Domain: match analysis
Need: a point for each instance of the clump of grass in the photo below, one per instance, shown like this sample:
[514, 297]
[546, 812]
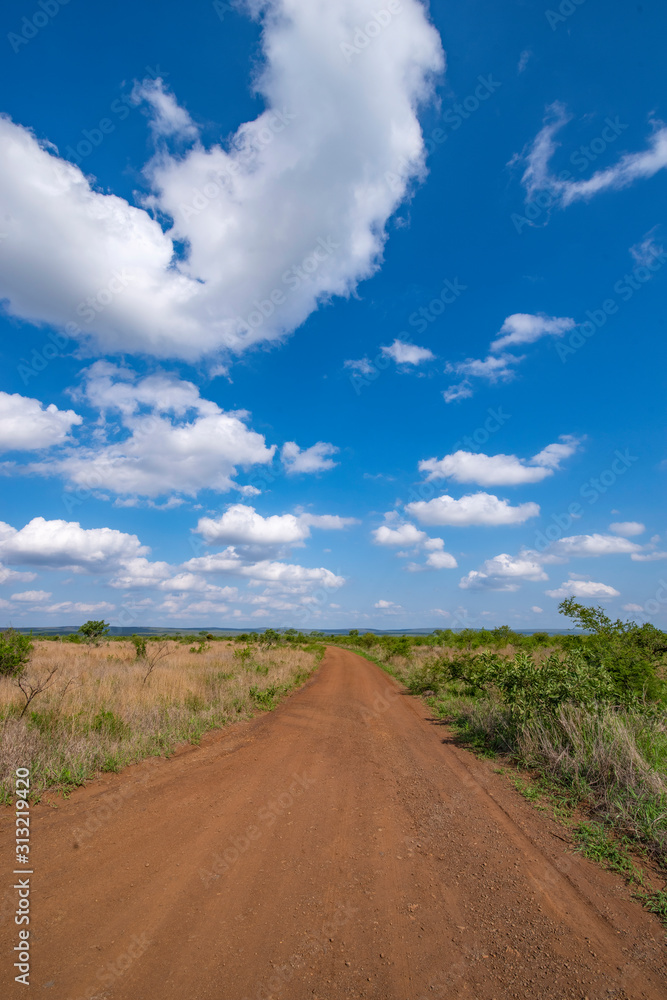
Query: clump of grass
[103, 712]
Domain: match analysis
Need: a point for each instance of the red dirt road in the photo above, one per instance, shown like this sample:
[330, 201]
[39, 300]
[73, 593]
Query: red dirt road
[338, 847]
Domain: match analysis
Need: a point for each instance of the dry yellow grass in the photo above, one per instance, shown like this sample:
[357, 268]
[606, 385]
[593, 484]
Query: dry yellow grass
[99, 713]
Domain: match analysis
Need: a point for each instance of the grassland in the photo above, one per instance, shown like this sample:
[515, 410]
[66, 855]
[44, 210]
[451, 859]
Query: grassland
[101, 712]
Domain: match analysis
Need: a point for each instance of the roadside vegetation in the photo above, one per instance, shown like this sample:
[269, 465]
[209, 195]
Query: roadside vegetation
[585, 715]
[73, 707]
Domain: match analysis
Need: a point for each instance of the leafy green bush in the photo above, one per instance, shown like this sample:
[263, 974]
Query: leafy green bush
[15, 650]
[94, 631]
[139, 642]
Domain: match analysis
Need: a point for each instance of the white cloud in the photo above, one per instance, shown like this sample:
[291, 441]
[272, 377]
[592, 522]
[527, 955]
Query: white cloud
[523, 60]
[27, 425]
[66, 545]
[313, 459]
[441, 560]
[498, 470]
[185, 444]
[404, 534]
[241, 525]
[395, 535]
[456, 392]
[592, 545]
[31, 596]
[647, 249]
[493, 369]
[627, 528]
[627, 169]
[475, 508]
[536, 610]
[291, 214]
[407, 354]
[11, 576]
[524, 328]
[78, 607]
[582, 588]
[363, 366]
[648, 556]
[504, 572]
[388, 606]
[636, 608]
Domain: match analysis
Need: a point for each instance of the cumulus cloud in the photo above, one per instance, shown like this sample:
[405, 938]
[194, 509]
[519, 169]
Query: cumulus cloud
[473, 509]
[31, 596]
[66, 545]
[538, 175]
[524, 328]
[290, 213]
[241, 525]
[182, 445]
[407, 354]
[28, 425]
[592, 545]
[582, 588]
[536, 610]
[499, 470]
[627, 528]
[387, 606]
[11, 576]
[504, 572]
[399, 535]
[314, 459]
[636, 608]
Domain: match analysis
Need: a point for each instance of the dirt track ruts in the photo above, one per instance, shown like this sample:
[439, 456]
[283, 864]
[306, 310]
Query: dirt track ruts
[340, 846]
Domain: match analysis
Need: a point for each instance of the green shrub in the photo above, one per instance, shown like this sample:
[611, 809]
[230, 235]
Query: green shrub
[15, 650]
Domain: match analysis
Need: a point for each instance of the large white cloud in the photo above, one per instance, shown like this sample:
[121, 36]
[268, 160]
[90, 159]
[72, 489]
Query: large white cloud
[293, 212]
[66, 545]
[499, 470]
[473, 509]
[27, 425]
[241, 525]
[185, 444]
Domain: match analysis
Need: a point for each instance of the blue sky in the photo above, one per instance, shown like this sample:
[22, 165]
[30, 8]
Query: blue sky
[332, 314]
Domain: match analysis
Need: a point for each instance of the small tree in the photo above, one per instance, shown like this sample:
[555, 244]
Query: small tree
[154, 653]
[93, 632]
[139, 642]
[15, 650]
[30, 689]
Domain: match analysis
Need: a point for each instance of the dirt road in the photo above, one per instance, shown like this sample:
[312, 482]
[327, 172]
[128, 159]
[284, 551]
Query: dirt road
[340, 846]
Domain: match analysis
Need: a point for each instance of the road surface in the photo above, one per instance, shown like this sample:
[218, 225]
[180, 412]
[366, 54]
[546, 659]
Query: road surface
[338, 847]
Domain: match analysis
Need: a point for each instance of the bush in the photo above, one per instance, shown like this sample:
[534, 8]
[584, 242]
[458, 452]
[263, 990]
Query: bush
[15, 650]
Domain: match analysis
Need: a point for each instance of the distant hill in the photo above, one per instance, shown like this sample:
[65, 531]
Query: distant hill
[138, 630]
